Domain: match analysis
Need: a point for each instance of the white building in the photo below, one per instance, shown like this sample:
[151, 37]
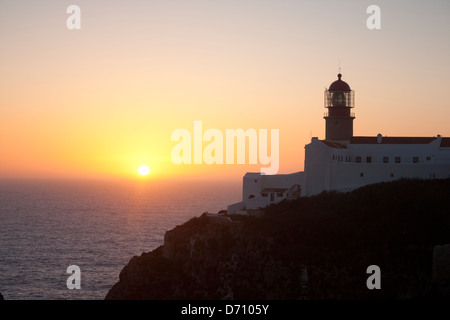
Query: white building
[343, 162]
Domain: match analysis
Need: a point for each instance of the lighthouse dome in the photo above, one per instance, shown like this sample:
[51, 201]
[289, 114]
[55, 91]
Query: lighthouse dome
[339, 85]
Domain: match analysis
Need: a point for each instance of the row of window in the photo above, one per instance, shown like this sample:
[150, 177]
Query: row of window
[265, 194]
[341, 158]
[362, 175]
[386, 159]
[368, 159]
[431, 175]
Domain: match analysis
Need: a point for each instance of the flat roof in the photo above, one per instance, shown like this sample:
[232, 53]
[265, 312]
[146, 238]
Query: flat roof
[445, 142]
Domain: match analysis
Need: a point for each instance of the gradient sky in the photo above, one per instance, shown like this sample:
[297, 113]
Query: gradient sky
[100, 101]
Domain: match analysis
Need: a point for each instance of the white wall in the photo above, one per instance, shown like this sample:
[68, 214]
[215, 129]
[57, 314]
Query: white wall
[405, 151]
[252, 184]
[235, 207]
[347, 176]
[317, 168]
[342, 173]
[328, 168]
[282, 180]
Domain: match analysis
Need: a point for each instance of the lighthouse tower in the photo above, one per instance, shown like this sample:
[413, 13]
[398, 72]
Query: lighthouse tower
[339, 99]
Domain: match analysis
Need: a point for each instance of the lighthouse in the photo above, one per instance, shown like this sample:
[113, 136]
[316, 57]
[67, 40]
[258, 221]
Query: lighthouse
[339, 100]
[343, 162]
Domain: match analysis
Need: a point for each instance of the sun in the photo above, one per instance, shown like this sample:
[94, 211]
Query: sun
[143, 170]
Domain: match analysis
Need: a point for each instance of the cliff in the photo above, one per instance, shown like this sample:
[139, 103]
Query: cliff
[311, 248]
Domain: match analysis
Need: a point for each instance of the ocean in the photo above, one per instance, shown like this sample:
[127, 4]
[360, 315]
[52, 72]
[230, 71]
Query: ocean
[46, 226]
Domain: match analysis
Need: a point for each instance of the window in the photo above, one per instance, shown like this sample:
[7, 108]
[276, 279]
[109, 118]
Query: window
[256, 180]
[264, 194]
[415, 159]
[385, 159]
[272, 196]
[358, 159]
[279, 194]
[428, 158]
[392, 175]
[368, 159]
[398, 159]
[361, 174]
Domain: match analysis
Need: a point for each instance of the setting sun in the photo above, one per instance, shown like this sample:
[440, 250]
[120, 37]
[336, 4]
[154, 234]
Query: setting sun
[143, 170]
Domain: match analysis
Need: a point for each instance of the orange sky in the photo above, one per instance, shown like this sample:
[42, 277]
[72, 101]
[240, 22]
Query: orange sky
[100, 101]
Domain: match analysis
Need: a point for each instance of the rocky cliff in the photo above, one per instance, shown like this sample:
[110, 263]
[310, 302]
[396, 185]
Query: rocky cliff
[206, 260]
[311, 248]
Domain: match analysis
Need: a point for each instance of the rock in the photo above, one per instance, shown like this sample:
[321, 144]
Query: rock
[441, 269]
[208, 260]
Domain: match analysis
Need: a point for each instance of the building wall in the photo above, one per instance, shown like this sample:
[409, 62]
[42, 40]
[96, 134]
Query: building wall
[328, 168]
[257, 203]
[339, 128]
[252, 185]
[345, 174]
[405, 151]
[317, 168]
[236, 207]
[349, 176]
[282, 180]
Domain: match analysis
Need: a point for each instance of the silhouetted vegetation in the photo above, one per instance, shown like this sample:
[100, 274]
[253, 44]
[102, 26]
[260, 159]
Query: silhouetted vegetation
[404, 212]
